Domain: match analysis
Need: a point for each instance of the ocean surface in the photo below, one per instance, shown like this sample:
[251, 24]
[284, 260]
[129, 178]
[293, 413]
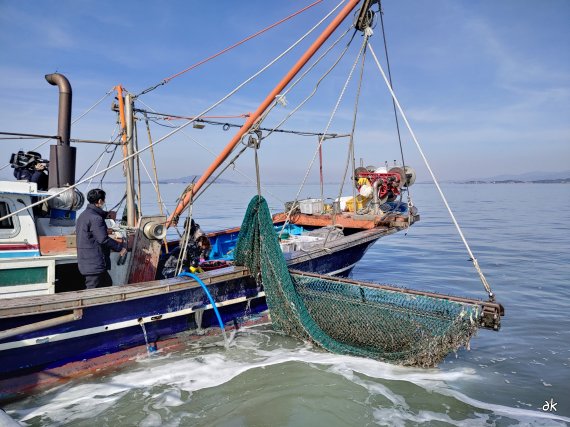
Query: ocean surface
[520, 233]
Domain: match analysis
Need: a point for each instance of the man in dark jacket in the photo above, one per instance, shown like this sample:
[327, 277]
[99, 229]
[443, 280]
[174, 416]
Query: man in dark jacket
[94, 244]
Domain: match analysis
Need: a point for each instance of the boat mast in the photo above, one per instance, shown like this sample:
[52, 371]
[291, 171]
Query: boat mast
[254, 117]
[126, 117]
[131, 208]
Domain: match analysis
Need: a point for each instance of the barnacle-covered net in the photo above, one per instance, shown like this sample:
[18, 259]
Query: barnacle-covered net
[348, 318]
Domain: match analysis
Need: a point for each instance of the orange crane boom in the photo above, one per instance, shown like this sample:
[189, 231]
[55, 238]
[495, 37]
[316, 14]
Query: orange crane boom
[182, 204]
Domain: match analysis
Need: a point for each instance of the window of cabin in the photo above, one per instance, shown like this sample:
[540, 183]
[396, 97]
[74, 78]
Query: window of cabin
[5, 224]
[9, 227]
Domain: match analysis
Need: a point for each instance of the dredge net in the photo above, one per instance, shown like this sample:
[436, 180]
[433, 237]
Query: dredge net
[347, 318]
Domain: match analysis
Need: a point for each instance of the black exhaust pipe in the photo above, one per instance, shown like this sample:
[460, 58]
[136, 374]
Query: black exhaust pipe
[62, 156]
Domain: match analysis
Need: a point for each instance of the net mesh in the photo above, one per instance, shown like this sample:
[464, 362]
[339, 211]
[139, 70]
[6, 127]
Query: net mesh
[345, 318]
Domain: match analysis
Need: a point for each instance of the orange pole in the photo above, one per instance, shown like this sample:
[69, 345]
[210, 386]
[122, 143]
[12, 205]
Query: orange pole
[263, 106]
[119, 90]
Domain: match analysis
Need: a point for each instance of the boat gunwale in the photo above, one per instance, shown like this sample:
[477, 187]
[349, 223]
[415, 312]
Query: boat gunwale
[9, 307]
[25, 306]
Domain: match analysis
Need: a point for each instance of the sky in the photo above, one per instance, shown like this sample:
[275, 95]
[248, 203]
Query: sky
[484, 84]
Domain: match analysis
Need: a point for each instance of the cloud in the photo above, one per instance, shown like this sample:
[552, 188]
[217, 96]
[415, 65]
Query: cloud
[43, 31]
[514, 70]
[19, 78]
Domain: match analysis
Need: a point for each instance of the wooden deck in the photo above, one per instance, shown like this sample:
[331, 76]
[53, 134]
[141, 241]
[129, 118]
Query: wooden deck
[12, 307]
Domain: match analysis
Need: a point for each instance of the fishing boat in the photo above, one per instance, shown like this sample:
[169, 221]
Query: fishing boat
[52, 329]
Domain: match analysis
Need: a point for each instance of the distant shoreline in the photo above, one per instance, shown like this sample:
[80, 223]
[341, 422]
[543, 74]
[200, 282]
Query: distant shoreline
[506, 181]
[516, 181]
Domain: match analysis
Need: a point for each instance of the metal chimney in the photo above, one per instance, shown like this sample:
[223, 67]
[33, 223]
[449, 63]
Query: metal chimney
[62, 156]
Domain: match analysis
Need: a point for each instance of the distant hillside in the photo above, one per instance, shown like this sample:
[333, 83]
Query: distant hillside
[188, 179]
[516, 181]
[528, 177]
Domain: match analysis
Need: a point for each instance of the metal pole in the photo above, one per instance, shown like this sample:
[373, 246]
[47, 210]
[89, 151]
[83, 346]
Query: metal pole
[322, 139]
[131, 217]
[321, 169]
[37, 326]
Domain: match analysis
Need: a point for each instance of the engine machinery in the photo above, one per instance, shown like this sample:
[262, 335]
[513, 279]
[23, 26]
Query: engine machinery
[383, 184]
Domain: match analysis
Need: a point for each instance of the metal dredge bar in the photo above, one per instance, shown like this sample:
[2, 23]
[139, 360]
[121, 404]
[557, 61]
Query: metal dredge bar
[491, 312]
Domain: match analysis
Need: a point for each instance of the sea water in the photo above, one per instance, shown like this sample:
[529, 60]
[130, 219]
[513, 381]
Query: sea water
[520, 234]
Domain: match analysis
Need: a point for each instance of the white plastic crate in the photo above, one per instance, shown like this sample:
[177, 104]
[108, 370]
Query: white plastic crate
[301, 243]
[311, 206]
[307, 243]
[287, 246]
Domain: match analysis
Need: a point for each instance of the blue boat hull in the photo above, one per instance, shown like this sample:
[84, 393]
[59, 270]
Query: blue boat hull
[48, 353]
[115, 326]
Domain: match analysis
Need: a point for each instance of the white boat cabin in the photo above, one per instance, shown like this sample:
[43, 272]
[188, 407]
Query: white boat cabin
[23, 270]
[39, 255]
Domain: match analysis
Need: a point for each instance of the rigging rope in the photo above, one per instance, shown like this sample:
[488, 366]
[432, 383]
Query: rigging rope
[118, 205]
[351, 142]
[196, 196]
[109, 144]
[221, 172]
[226, 125]
[162, 205]
[96, 167]
[473, 259]
[381, 13]
[227, 49]
[228, 116]
[108, 163]
[178, 129]
[314, 91]
[100, 158]
[360, 52]
[186, 235]
[73, 122]
[158, 195]
[408, 192]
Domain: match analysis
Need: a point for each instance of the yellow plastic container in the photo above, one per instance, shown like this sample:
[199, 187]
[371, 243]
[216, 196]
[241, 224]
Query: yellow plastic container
[361, 202]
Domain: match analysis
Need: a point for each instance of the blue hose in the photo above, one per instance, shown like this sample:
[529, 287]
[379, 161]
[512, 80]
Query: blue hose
[196, 278]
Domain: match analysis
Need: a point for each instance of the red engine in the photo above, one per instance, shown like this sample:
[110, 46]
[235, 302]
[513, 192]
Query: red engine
[387, 185]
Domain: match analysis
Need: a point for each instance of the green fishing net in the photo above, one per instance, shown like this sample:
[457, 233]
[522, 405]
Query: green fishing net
[345, 318]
